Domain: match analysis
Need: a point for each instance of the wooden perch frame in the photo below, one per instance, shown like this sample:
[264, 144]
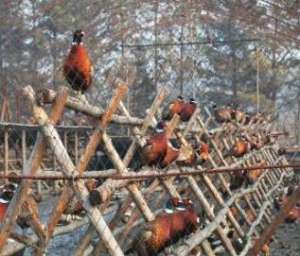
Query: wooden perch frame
[116, 239]
[47, 96]
[31, 167]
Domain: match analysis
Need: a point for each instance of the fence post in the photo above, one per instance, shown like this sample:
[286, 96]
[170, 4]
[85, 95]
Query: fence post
[6, 152]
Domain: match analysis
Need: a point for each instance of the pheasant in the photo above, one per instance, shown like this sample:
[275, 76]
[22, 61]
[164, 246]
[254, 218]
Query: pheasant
[78, 68]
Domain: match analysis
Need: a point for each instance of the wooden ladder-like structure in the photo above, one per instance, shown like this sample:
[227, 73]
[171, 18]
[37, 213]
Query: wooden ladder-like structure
[206, 190]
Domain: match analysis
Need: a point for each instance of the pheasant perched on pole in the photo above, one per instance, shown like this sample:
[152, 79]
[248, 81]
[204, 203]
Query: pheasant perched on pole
[155, 149]
[188, 110]
[166, 228]
[175, 107]
[78, 68]
[223, 114]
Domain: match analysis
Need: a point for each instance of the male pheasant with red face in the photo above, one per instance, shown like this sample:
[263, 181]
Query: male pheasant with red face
[156, 147]
[166, 229]
[188, 110]
[78, 68]
[154, 237]
[175, 107]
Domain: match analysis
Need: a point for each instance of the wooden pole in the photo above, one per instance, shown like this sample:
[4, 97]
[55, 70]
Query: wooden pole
[146, 123]
[133, 189]
[55, 169]
[48, 96]
[279, 219]
[24, 148]
[246, 218]
[213, 190]
[79, 188]
[105, 195]
[90, 149]
[6, 152]
[208, 209]
[200, 235]
[76, 145]
[31, 167]
[32, 208]
[257, 190]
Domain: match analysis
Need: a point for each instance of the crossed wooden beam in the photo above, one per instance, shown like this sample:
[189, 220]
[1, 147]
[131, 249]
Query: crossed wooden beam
[48, 136]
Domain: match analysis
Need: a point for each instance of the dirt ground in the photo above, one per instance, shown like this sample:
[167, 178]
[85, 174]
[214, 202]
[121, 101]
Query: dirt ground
[288, 240]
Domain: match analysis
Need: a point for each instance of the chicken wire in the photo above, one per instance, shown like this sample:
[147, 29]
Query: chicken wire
[203, 49]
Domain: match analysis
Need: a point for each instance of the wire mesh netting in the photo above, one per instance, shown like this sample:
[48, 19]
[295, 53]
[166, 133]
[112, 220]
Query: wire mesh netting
[211, 52]
[214, 51]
